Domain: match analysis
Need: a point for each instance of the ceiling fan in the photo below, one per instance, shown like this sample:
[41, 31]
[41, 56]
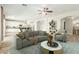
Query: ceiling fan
[24, 4]
[45, 11]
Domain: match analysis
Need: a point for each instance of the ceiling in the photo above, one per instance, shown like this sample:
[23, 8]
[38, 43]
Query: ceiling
[30, 12]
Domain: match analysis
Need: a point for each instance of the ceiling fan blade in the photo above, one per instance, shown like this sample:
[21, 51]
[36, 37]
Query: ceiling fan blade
[24, 4]
[49, 11]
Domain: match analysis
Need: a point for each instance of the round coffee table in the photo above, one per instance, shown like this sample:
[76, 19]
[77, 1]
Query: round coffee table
[51, 50]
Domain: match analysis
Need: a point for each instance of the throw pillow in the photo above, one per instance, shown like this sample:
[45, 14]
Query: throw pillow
[21, 35]
[26, 35]
[42, 33]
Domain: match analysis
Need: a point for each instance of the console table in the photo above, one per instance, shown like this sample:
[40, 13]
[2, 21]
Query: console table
[51, 50]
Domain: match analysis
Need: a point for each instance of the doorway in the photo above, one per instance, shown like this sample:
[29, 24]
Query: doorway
[76, 29]
[71, 26]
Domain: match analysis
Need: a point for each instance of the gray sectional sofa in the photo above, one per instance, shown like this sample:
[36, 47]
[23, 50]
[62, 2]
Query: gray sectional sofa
[61, 37]
[25, 39]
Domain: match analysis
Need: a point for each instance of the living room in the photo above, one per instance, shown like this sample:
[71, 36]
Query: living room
[30, 28]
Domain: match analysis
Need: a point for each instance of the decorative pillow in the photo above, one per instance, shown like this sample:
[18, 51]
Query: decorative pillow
[21, 35]
[26, 35]
[30, 33]
[36, 33]
[42, 33]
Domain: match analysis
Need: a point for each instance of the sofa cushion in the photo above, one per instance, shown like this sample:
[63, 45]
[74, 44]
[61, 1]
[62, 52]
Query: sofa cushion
[35, 33]
[61, 38]
[21, 35]
[26, 43]
[26, 34]
[42, 33]
[31, 34]
[34, 39]
[42, 38]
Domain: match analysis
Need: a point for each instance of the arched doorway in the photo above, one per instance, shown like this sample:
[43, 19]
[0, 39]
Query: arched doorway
[71, 26]
[76, 29]
[66, 25]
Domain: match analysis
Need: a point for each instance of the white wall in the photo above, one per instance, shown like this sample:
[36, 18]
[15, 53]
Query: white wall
[69, 24]
[44, 25]
[0, 23]
[13, 24]
[4, 27]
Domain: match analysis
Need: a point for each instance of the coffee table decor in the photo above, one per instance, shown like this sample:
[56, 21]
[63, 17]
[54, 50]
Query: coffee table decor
[51, 35]
[46, 49]
[50, 42]
[51, 46]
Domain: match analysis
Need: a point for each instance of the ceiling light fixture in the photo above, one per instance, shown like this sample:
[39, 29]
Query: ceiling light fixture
[24, 4]
[45, 11]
